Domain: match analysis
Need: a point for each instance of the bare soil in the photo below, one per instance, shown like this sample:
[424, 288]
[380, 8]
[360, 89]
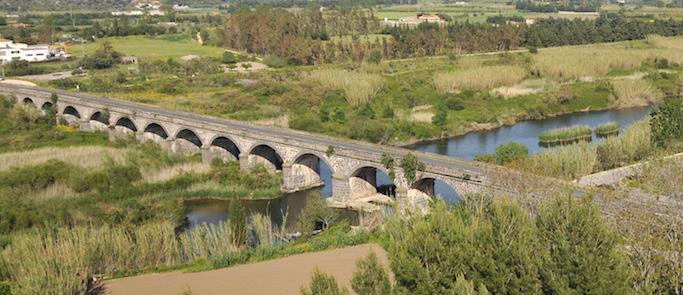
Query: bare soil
[279, 276]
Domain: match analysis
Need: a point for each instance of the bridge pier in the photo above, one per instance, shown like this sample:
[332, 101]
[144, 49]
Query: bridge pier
[244, 161]
[341, 188]
[84, 125]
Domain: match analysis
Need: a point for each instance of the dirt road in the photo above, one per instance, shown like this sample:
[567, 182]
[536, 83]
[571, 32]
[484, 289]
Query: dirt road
[279, 276]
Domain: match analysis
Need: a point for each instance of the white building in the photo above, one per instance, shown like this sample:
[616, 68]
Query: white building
[10, 51]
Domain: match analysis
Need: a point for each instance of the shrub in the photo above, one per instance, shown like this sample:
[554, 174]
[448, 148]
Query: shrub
[411, 165]
[580, 253]
[533, 49]
[492, 245]
[666, 123]
[274, 61]
[375, 56]
[370, 277]
[662, 63]
[228, 58]
[510, 152]
[323, 284]
[24, 116]
[5, 288]
[64, 83]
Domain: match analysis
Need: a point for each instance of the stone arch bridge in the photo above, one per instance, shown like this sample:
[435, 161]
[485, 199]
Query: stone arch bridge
[296, 154]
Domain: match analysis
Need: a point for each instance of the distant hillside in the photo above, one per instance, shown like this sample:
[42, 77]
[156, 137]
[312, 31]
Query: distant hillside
[27, 5]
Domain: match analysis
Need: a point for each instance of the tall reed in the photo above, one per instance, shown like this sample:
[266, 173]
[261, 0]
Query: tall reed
[631, 93]
[567, 162]
[478, 78]
[61, 261]
[358, 87]
[634, 145]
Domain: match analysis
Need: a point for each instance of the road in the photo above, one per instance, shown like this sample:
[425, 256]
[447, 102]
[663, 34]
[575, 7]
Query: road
[278, 276]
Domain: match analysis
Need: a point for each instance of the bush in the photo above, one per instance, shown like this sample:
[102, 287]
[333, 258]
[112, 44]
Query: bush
[5, 288]
[64, 83]
[662, 63]
[375, 56]
[580, 253]
[666, 123]
[274, 61]
[533, 49]
[510, 152]
[323, 284]
[22, 68]
[370, 277]
[454, 103]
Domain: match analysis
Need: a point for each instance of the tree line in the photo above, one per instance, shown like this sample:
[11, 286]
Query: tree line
[305, 37]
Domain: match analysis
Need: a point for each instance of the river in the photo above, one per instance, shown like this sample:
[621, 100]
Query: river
[485, 142]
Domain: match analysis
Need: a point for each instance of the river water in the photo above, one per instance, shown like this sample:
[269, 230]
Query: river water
[466, 147]
[526, 133]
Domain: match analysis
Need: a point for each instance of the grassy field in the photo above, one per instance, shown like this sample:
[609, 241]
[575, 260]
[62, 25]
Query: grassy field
[152, 47]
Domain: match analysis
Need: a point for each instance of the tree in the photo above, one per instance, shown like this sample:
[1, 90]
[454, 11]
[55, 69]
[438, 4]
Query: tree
[316, 210]
[323, 284]
[441, 116]
[370, 277]
[237, 215]
[580, 254]
[23, 116]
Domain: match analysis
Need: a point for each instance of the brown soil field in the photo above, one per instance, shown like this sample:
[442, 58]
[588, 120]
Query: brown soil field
[279, 276]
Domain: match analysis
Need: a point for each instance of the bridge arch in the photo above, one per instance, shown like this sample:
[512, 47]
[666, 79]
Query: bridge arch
[47, 106]
[126, 123]
[72, 111]
[224, 146]
[28, 100]
[369, 180]
[266, 155]
[432, 187]
[101, 117]
[156, 131]
[309, 170]
[189, 135]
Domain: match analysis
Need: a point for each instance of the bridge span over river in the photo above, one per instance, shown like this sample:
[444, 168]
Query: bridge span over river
[296, 154]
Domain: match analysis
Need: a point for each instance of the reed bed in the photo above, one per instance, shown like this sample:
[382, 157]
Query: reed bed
[566, 135]
[62, 261]
[607, 129]
[575, 62]
[479, 78]
[632, 93]
[567, 162]
[633, 146]
[358, 87]
[83, 156]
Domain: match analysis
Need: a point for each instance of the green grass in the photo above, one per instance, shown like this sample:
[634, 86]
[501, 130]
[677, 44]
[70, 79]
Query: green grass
[152, 47]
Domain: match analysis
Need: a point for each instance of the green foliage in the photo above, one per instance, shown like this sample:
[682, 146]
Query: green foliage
[465, 287]
[5, 288]
[101, 59]
[375, 56]
[440, 116]
[411, 165]
[274, 61]
[580, 253]
[21, 68]
[323, 284]
[238, 222]
[510, 152]
[486, 158]
[370, 277]
[666, 122]
[388, 162]
[316, 211]
[492, 245]
[228, 58]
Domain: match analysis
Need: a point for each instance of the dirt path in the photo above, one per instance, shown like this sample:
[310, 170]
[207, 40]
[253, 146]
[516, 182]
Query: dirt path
[279, 276]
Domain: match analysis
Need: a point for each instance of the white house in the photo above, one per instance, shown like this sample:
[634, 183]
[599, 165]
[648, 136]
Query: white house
[10, 51]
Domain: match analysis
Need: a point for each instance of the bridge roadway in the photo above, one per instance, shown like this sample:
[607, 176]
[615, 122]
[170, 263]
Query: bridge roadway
[455, 172]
